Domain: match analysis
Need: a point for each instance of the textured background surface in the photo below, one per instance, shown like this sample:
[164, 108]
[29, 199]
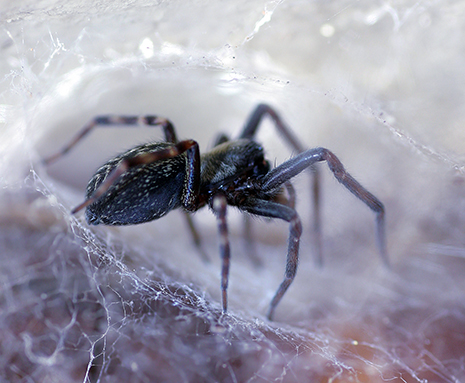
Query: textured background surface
[379, 83]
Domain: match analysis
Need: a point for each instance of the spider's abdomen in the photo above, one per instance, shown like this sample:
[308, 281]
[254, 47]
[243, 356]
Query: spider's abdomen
[143, 193]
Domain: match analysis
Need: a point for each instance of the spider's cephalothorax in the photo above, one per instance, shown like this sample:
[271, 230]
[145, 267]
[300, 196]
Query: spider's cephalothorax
[150, 180]
[233, 169]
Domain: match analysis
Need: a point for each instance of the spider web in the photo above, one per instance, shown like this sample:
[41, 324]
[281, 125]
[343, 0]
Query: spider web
[101, 304]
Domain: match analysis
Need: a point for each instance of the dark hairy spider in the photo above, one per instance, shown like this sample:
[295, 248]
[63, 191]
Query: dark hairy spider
[148, 181]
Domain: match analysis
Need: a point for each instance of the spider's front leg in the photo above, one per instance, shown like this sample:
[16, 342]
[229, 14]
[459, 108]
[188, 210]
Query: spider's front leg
[294, 166]
[250, 130]
[288, 214]
[281, 175]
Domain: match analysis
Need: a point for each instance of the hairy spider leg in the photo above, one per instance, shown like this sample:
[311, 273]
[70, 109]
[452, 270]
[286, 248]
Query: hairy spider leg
[282, 174]
[114, 120]
[251, 126]
[249, 131]
[137, 121]
[276, 210]
[294, 166]
[248, 234]
[248, 231]
[219, 206]
[289, 201]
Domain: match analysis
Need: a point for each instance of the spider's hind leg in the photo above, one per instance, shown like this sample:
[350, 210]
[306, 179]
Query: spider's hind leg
[286, 213]
[116, 120]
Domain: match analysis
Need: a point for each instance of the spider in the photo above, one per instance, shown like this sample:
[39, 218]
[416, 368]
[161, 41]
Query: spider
[148, 181]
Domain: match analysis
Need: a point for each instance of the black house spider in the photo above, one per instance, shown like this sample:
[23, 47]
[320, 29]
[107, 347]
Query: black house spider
[150, 180]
